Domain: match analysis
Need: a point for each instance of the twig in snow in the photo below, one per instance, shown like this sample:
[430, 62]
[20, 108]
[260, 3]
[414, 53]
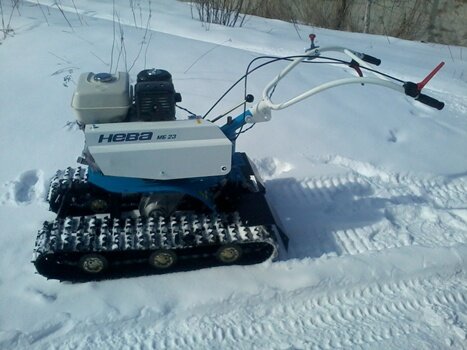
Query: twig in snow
[450, 52]
[204, 54]
[63, 14]
[6, 29]
[122, 46]
[43, 13]
[132, 6]
[113, 39]
[77, 13]
[60, 58]
[143, 41]
[146, 50]
[100, 59]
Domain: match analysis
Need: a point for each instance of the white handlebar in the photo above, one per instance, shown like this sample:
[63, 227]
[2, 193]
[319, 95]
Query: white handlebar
[262, 111]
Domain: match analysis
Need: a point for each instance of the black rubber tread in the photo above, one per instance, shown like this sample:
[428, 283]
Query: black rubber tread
[63, 181]
[127, 243]
[70, 194]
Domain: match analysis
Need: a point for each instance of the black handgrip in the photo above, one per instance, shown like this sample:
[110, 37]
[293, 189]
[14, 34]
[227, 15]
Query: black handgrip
[430, 101]
[371, 59]
[367, 58]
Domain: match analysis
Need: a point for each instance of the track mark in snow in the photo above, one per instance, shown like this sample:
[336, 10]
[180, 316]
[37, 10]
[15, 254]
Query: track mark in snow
[392, 136]
[29, 186]
[378, 315]
[67, 70]
[368, 209]
[45, 296]
[52, 329]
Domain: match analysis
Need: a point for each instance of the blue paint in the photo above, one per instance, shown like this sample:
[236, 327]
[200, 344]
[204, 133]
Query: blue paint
[199, 188]
[230, 129]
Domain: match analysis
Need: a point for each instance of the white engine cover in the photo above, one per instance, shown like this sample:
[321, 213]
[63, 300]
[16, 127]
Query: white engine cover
[160, 150]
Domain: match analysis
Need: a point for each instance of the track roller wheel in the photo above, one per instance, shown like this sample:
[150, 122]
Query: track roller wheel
[93, 263]
[162, 259]
[229, 254]
[98, 205]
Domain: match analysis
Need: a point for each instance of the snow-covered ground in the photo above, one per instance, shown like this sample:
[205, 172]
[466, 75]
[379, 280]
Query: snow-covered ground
[370, 186]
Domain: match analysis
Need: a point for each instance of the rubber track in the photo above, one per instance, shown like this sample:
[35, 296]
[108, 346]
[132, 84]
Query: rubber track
[63, 180]
[105, 235]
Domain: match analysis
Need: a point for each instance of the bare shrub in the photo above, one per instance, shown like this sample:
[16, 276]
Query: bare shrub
[333, 14]
[118, 52]
[405, 19]
[400, 18]
[225, 12]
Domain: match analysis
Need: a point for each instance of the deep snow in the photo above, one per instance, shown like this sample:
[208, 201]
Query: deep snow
[370, 185]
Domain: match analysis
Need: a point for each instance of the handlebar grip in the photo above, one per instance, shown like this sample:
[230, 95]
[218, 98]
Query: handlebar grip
[430, 101]
[371, 59]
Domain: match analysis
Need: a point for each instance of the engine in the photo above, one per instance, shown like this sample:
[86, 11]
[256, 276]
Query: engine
[155, 96]
[109, 98]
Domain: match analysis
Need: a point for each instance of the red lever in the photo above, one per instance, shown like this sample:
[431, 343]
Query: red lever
[425, 81]
[355, 66]
[312, 41]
